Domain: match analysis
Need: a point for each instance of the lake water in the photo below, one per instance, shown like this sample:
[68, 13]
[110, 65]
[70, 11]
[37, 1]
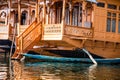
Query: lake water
[64, 71]
[35, 70]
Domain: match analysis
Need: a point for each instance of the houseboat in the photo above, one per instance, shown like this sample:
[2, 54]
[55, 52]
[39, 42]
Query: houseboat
[64, 27]
[9, 21]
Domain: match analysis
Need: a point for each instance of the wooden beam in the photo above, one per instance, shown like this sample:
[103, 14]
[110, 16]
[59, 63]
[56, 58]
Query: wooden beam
[44, 11]
[28, 4]
[59, 48]
[36, 10]
[39, 10]
[29, 17]
[71, 12]
[10, 3]
[63, 15]
[19, 15]
[83, 14]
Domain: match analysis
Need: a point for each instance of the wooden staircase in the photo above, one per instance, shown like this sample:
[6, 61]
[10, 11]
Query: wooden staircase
[27, 39]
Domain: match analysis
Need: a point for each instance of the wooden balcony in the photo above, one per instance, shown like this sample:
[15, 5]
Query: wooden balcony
[55, 32]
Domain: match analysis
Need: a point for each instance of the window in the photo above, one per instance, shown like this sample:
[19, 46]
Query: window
[88, 16]
[67, 15]
[58, 14]
[111, 22]
[119, 24]
[101, 4]
[111, 6]
[77, 14]
[55, 13]
[108, 24]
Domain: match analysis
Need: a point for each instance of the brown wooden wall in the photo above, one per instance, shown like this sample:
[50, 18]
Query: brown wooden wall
[100, 21]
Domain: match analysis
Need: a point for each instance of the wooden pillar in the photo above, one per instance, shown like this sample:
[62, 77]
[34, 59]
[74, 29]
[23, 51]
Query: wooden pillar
[47, 14]
[29, 13]
[47, 18]
[10, 2]
[84, 13]
[93, 16]
[44, 11]
[63, 16]
[36, 10]
[71, 14]
[8, 18]
[19, 16]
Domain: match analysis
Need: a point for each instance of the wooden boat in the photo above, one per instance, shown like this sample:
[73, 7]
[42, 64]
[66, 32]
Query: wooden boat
[65, 59]
[63, 25]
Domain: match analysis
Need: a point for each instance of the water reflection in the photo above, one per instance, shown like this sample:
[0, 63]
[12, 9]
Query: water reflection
[64, 71]
[3, 71]
[3, 67]
[24, 73]
[92, 71]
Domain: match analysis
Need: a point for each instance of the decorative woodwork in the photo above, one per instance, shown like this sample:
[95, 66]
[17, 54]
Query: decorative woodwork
[78, 31]
[27, 39]
[52, 32]
[80, 23]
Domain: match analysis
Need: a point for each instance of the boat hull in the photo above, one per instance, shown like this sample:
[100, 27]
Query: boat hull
[65, 59]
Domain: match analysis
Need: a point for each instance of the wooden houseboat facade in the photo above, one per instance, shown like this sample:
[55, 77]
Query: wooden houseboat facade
[63, 25]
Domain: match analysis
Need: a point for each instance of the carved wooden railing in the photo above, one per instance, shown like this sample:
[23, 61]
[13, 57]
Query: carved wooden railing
[78, 31]
[23, 28]
[52, 32]
[4, 31]
[55, 31]
[27, 39]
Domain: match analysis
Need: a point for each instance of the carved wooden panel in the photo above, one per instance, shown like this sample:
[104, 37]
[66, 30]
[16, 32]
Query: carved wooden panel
[52, 32]
[78, 31]
[52, 29]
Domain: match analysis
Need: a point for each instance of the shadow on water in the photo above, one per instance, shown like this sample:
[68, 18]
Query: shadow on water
[4, 67]
[64, 71]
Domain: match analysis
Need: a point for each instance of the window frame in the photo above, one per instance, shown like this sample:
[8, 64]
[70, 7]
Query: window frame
[110, 27]
[101, 4]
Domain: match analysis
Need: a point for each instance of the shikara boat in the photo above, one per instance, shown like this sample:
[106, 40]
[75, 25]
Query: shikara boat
[66, 59]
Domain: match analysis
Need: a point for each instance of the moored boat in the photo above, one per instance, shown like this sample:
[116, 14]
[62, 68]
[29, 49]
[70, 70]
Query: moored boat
[66, 59]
